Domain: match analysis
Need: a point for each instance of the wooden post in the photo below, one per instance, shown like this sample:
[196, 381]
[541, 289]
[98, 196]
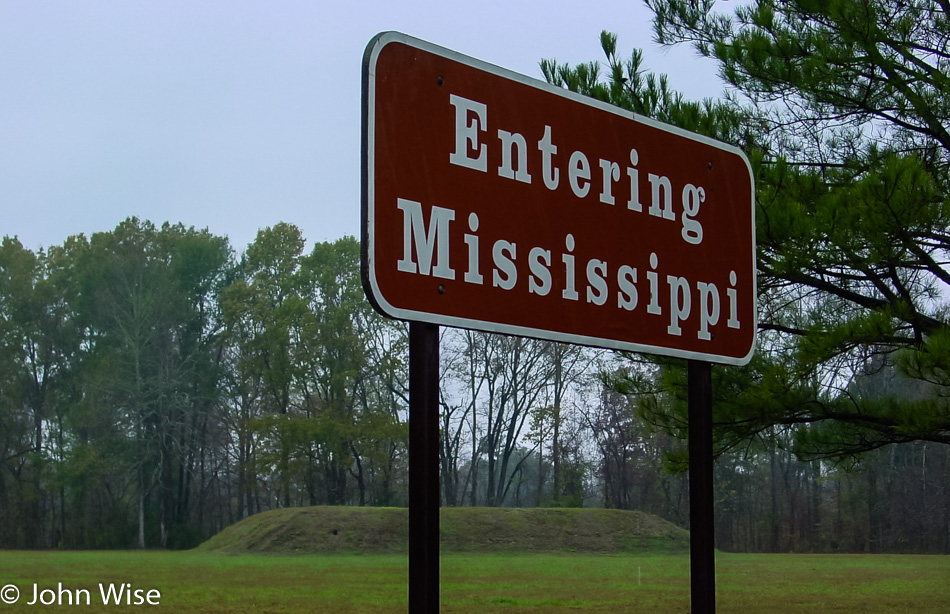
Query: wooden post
[424, 498]
[702, 561]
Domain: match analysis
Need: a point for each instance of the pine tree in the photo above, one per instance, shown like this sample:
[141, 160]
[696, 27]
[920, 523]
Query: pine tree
[843, 109]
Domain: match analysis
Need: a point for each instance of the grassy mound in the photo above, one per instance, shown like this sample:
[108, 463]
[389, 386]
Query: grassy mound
[386, 530]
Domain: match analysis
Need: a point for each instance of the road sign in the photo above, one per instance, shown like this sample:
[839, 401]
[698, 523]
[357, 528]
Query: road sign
[497, 202]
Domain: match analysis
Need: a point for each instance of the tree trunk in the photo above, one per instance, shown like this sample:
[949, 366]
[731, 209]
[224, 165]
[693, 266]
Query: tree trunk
[141, 543]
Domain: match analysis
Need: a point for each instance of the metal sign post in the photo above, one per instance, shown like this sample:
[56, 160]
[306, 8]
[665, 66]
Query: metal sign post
[424, 496]
[702, 562]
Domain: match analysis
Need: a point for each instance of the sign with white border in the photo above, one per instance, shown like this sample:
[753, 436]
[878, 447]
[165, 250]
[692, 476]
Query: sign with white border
[497, 202]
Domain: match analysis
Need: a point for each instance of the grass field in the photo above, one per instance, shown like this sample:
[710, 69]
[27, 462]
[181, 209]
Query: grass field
[509, 583]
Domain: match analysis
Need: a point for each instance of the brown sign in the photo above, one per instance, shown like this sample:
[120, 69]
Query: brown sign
[496, 202]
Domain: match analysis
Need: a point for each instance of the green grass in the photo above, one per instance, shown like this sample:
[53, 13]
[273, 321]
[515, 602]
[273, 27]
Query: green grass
[507, 583]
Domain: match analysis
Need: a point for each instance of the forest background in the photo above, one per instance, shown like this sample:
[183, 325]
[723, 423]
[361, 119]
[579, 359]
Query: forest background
[156, 386]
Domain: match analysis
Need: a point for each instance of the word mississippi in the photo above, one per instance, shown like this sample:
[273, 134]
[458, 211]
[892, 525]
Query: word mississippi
[426, 252]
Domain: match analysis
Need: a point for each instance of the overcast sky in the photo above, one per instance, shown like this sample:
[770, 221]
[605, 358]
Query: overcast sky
[234, 115]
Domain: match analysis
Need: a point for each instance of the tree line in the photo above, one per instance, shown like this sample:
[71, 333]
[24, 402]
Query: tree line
[156, 387]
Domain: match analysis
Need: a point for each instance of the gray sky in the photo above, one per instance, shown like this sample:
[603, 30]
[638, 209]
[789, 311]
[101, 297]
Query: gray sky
[237, 114]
